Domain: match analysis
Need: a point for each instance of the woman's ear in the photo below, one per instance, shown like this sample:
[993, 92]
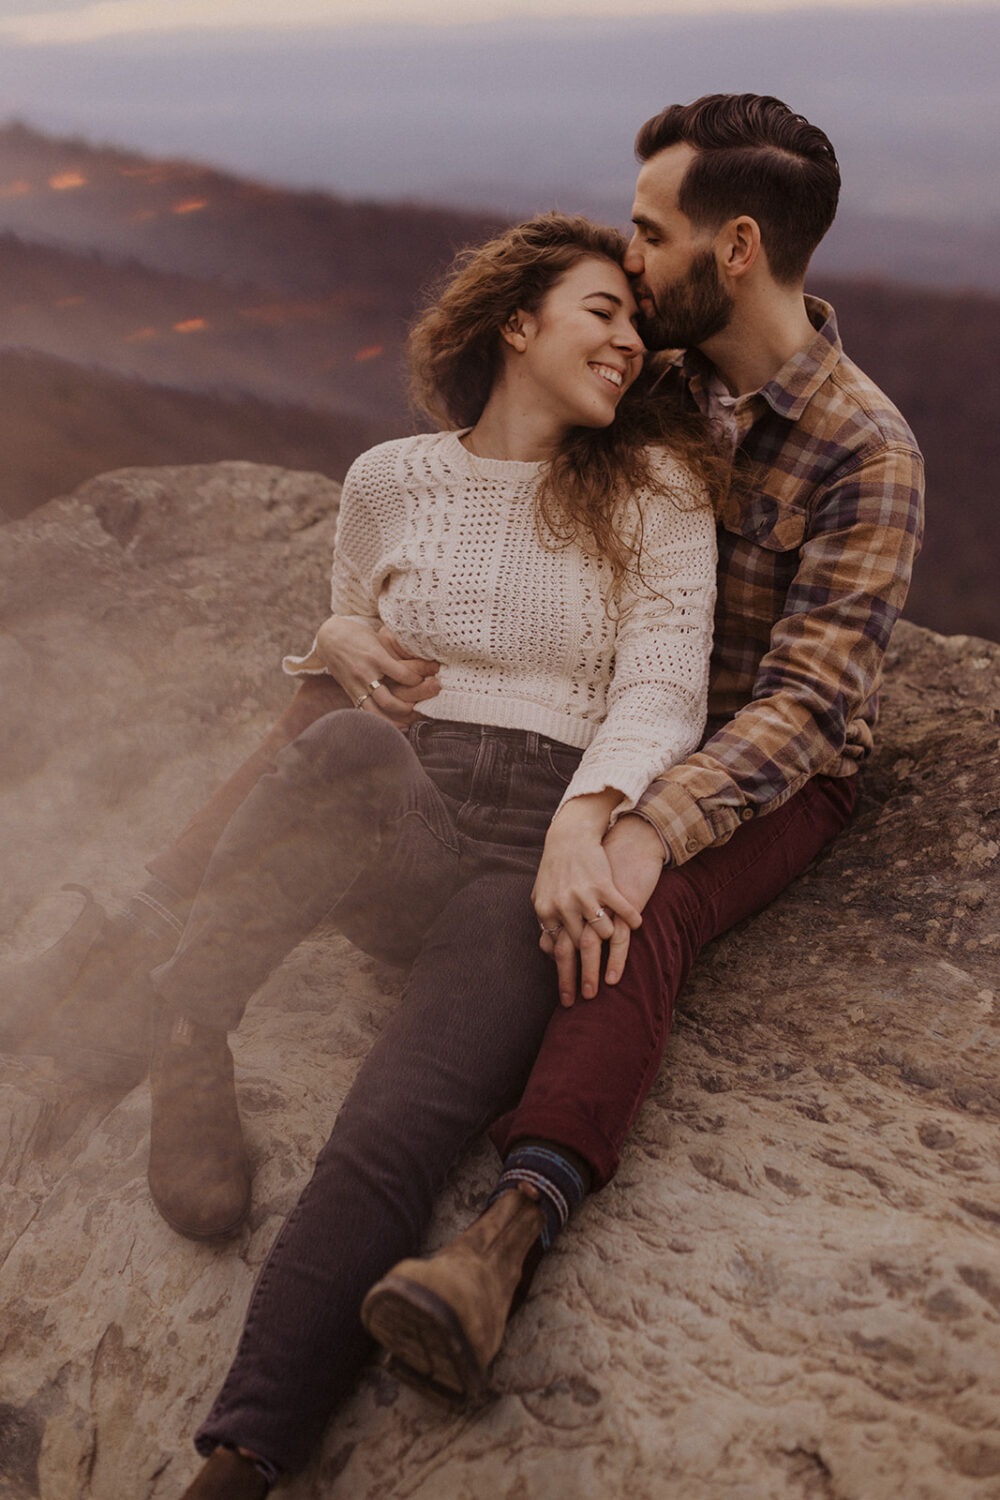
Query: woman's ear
[514, 332]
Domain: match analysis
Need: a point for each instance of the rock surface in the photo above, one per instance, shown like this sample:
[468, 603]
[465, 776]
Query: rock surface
[792, 1289]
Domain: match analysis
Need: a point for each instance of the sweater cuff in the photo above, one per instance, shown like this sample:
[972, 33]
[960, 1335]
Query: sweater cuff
[309, 665]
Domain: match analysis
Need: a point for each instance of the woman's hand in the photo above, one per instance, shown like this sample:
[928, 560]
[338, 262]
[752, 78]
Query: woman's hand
[357, 655]
[577, 900]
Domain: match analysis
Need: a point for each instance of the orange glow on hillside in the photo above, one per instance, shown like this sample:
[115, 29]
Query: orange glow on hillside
[18, 189]
[191, 325]
[143, 216]
[277, 314]
[189, 206]
[158, 172]
[370, 351]
[140, 336]
[65, 182]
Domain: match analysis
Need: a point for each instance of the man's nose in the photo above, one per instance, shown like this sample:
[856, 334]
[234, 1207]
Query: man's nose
[633, 263]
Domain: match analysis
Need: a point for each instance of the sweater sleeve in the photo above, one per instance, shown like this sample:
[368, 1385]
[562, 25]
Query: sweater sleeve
[355, 550]
[658, 696]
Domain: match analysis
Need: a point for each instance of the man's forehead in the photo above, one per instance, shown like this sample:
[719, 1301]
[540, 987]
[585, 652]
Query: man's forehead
[659, 182]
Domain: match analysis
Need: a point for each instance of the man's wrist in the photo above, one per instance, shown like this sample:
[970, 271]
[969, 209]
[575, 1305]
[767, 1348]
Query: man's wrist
[635, 816]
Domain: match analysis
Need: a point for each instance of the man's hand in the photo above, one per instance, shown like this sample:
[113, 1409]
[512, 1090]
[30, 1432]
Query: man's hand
[635, 855]
[627, 867]
[357, 655]
[577, 900]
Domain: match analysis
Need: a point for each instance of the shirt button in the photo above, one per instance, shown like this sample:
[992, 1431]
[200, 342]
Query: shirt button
[692, 846]
[746, 814]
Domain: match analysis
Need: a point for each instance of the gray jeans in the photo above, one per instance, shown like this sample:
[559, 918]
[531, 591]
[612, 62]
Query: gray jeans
[419, 848]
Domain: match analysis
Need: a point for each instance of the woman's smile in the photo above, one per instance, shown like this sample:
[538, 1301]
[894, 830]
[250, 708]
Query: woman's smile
[610, 374]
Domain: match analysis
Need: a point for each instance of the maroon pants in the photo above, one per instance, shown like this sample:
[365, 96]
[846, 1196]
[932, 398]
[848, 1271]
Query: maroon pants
[599, 1058]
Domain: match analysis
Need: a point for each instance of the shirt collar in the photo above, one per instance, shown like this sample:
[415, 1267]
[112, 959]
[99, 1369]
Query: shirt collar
[790, 390]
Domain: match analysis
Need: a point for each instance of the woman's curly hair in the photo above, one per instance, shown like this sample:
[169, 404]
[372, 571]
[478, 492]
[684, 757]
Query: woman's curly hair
[454, 352]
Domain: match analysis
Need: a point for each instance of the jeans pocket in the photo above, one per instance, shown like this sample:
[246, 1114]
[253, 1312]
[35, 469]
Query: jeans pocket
[560, 761]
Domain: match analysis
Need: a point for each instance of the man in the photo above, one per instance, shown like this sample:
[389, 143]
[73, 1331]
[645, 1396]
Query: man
[816, 544]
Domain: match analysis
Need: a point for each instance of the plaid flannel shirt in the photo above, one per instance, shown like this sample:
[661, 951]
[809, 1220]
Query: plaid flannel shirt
[814, 566]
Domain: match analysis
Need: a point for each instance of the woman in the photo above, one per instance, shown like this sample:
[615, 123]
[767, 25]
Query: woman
[559, 564]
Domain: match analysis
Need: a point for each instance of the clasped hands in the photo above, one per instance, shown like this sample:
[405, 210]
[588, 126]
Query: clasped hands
[591, 889]
[374, 668]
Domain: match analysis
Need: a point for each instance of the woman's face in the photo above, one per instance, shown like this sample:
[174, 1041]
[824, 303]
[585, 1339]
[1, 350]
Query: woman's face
[578, 354]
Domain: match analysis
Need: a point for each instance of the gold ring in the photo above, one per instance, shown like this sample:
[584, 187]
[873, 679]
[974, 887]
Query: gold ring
[363, 699]
[372, 686]
[599, 914]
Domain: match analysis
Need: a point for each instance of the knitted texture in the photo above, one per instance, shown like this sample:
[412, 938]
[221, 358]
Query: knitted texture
[443, 547]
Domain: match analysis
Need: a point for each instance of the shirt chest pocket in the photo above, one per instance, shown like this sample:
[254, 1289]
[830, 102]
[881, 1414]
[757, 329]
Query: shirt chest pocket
[765, 521]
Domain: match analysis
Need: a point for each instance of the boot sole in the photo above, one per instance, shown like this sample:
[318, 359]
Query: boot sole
[426, 1343]
[225, 1232]
[221, 1232]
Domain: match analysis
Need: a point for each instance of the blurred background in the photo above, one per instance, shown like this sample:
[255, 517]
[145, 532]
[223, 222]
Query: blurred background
[215, 221]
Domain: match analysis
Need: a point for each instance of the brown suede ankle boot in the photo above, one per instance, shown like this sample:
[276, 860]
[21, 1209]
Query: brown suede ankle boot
[87, 1001]
[228, 1475]
[442, 1319]
[199, 1175]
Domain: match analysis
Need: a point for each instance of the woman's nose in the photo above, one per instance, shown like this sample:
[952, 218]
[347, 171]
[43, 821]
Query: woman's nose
[628, 340]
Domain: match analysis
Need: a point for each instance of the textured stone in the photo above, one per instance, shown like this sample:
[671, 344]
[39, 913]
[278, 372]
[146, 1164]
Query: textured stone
[792, 1289]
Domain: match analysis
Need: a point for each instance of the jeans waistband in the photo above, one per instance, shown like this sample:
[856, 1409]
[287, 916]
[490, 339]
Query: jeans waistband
[526, 741]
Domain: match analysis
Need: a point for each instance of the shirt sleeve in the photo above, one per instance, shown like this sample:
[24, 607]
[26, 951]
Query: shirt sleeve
[658, 695]
[355, 550]
[815, 691]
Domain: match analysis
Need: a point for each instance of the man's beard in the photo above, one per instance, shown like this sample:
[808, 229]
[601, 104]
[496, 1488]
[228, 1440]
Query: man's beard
[690, 310]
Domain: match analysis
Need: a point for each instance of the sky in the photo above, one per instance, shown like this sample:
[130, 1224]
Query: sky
[510, 106]
[60, 21]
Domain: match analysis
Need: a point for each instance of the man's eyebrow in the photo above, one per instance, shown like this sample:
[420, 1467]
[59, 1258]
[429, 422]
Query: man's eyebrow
[642, 222]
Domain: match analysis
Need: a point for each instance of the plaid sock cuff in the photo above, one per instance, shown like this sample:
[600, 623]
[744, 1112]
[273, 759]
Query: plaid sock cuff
[560, 1185]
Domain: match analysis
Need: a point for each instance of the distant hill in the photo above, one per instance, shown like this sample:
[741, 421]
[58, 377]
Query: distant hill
[190, 219]
[61, 423]
[277, 320]
[341, 351]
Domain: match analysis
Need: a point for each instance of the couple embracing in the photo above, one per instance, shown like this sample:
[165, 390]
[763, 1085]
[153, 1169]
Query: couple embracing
[603, 662]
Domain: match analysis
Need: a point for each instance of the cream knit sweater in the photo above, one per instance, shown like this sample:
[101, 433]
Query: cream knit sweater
[443, 548]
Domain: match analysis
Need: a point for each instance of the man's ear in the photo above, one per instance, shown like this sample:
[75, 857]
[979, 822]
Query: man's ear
[738, 246]
[514, 330]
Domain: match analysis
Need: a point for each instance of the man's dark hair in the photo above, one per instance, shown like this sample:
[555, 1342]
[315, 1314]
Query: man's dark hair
[754, 157]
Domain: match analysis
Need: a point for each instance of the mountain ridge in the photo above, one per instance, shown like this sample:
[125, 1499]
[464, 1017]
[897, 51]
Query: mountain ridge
[302, 301]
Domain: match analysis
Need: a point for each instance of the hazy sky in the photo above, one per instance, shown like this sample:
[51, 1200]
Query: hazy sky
[511, 106]
[56, 21]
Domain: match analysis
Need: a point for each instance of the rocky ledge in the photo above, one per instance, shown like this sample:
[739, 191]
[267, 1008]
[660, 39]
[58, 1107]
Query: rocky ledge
[792, 1289]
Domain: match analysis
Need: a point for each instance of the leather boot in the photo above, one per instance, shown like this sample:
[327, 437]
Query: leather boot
[199, 1175]
[442, 1319]
[227, 1475]
[87, 1001]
